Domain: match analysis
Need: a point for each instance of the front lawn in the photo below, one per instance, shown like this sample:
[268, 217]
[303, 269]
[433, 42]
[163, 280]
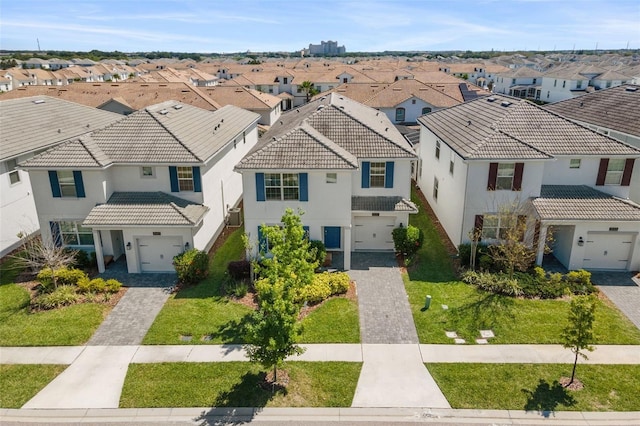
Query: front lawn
[236, 384]
[336, 321]
[535, 387]
[470, 310]
[20, 383]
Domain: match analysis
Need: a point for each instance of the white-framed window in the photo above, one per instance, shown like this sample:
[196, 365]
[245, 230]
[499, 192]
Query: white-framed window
[495, 226]
[67, 183]
[332, 178]
[506, 172]
[438, 150]
[147, 172]
[281, 186]
[73, 233]
[426, 110]
[376, 174]
[579, 84]
[14, 175]
[185, 178]
[452, 160]
[435, 188]
[615, 169]
[564, 83]
[575, 163]
[400, 114]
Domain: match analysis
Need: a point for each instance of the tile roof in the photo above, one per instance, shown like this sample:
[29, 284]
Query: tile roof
[340, 126]
[501, 126]
[580, 202]
[168, 132]
[617, 108]
[145, 208]
[35, 123]
[383, 204]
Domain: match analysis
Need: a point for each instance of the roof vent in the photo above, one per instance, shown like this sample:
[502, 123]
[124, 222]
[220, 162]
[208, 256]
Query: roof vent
[38, 101]
[163, 112]
[320, 107]
[177, 106]
[581, 103]
[631, 89]
[469, 123]
[491, 99]
[505, 103]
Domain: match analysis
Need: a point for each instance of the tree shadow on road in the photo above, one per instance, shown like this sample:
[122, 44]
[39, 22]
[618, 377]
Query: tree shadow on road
[546, 398]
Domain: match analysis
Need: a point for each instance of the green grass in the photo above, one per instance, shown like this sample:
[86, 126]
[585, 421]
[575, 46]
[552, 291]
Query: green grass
[71, 325]
[20, 383]
[336, 321]
[236, 384]
[202, 310]
[470, 310]
[534, 387]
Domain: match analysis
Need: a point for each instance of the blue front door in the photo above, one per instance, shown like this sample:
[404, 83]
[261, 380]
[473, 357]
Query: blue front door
[332, 237]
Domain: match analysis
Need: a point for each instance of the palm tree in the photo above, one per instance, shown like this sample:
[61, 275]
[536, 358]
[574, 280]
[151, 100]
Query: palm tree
[308, 89]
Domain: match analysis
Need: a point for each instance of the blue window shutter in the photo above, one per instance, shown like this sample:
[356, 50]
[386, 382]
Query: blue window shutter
[262, 241]
[77, 178]
[306, 232]
[197, 179]
[366, 167]
[55, 185]
[260, 187]
[388, 175]
[304, 186]
[55, 233]
[173, 176]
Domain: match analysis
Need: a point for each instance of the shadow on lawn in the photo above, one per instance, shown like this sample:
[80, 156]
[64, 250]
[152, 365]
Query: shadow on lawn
[233, 331]
[246, 393]
[481, 314]
[545, 398]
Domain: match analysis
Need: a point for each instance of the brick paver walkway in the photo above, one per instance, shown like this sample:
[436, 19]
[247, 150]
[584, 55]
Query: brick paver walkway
[385, 315]
[621, 290]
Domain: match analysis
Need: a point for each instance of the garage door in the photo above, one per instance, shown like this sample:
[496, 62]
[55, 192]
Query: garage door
[607, 250]
[156, 253]
[374, 232]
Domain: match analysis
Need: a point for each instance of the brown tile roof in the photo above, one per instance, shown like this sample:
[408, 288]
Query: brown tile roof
[580, 202]
[241, 97]
[145, 208]
[500, 126]
[617, 108]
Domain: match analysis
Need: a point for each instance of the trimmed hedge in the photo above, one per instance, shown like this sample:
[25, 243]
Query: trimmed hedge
[192, 266]
[323, 286]
[64, 276]
[407, 240]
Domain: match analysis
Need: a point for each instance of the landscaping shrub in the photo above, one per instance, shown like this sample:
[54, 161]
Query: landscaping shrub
[64, 276]
[62, 296]
[486, 263]
[324, 285]
[493, 283]
[112, 286]
[464, 253]
[317, 247]
[98, 285]
[83, 259]
[407, 240]
[339, 282]
[239, 270]
[192, 266]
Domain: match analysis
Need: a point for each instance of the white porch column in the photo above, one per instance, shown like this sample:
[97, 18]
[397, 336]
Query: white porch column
[542, 239]
[347, 247]
[97, 243]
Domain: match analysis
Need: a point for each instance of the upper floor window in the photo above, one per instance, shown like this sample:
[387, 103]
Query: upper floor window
[452, 159]
[185, 178]
[513, 81]
[332, 178]
[574, 163]
[376, 175]
[400, 114]
[435, 188]
[426, 110]
[66, 183]
[438, 149]
[535, 80]
[564, 83]
[506, 172]
[505, 176]
[615, 170]
[14, 175]
[281, 186]
[579, 84]
[555, 83]
[147, 171]
[285, 80]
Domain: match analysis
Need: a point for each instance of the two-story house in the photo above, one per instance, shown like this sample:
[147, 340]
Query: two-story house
[148, 187]
[29, 126]
[343, 163]
[501, 152]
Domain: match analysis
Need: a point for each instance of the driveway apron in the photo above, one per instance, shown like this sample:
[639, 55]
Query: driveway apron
[622, 290]
[393, 374]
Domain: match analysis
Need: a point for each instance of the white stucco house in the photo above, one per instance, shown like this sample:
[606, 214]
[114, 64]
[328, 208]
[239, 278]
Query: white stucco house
[148, 187]
[343, 163]
[28, 126]
[501, 151]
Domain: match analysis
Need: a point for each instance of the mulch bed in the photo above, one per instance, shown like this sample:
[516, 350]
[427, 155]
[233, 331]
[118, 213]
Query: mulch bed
[267, 383]
[575, 386]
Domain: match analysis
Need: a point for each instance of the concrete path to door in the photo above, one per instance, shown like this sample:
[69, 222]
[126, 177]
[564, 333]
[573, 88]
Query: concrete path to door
[623, 290]
[393, 374]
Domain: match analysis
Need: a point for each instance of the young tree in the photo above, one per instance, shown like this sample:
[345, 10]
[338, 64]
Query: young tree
[512, 252]
[37, 254]
[271, 335]
[578, 334]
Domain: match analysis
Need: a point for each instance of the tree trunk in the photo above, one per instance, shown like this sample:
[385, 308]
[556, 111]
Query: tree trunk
[573, 372]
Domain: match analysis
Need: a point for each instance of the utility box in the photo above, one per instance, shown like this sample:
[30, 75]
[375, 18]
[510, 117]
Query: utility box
[235, 217]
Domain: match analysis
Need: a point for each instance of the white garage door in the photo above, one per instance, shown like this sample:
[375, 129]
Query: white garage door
[156, 253]
[607, 250]
[373, 232]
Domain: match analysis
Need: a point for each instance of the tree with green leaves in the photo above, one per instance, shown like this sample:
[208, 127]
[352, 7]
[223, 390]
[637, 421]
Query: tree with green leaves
[578, 334]
[309, 89]
[289, 266]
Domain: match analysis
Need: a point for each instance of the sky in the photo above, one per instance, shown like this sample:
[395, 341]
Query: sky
[225, 26]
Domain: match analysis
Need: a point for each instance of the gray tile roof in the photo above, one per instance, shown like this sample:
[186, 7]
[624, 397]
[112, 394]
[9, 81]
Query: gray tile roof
[383, 204]
[580, 202]
[617, 108]
[168, 132]
[145, 208]
[500, 126]
[29, 126]
[340, 126]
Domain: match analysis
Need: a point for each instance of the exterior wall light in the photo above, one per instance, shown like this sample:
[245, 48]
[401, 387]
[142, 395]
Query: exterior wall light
[580, 241]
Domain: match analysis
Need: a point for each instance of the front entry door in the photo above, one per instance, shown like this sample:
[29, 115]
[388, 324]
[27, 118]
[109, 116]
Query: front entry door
[332, 237]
